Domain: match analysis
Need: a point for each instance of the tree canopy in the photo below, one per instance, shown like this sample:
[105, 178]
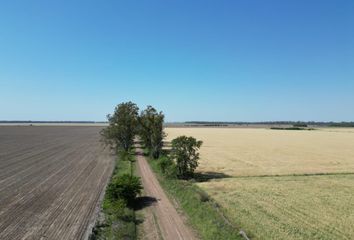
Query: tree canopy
[122, 126]
[151, 130]
[185, 154]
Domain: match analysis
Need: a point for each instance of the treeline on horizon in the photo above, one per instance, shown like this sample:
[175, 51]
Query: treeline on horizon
[218, 123]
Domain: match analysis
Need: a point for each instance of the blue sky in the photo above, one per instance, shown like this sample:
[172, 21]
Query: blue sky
[194, 60]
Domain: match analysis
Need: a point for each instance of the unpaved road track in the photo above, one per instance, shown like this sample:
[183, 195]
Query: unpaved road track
[51, 180]
[170, 223]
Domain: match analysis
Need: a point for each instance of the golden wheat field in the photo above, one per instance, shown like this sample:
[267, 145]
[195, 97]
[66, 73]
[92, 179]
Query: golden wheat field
[249, 152]
[288, 207]
[271, 191]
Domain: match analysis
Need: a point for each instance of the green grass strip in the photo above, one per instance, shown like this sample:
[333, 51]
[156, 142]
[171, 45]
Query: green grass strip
[205, 216]
[119, 220]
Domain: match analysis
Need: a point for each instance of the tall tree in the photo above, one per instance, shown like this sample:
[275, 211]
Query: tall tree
[146, 119]
[157, 135]
[151, 130]
[184, 152]
[122, 126]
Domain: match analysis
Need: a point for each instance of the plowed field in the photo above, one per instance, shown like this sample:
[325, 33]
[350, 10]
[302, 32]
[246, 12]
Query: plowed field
[51, 180]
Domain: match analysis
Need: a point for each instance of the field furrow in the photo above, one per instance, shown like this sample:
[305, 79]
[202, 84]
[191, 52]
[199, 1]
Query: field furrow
[51, 180]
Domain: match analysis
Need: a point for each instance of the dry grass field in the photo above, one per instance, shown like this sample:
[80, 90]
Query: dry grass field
[288, 207]
[294, 205]
[250, 152]
[51, 179]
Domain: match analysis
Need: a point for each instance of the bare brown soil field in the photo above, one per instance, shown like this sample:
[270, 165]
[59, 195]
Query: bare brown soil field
[51, 180]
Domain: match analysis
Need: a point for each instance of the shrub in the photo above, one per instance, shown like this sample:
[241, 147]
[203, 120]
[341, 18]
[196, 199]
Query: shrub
[164, 163]
[115, 208]
[124, 187]
[203, 196]
[167, 167]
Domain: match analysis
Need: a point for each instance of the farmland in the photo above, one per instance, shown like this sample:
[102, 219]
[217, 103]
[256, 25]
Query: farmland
[301, 207]
[51, 180]
[280, 184]
[250, 152]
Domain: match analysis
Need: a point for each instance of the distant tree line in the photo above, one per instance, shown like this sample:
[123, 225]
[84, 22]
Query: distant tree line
[294, 123]
[341, 124]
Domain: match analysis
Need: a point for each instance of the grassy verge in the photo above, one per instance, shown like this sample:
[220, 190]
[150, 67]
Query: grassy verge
[205, 216]
[118, 221]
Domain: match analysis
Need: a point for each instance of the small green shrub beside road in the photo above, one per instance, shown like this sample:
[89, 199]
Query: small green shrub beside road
[119, 220]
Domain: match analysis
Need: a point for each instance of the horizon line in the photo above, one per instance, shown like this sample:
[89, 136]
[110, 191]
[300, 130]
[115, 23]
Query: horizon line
[179, 122]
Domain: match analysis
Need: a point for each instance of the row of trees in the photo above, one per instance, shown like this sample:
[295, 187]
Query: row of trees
[126, 123]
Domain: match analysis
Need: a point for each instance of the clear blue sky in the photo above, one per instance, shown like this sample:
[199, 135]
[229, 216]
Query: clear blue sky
[193, 59]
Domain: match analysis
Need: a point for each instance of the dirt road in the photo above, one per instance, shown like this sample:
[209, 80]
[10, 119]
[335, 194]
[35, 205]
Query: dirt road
[169, 222]
[51, 179]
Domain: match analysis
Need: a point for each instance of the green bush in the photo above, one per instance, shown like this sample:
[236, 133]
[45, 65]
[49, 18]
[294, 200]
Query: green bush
[115, 208]
[167, 167]
[164, 163]
[124, 187]
[203, 196]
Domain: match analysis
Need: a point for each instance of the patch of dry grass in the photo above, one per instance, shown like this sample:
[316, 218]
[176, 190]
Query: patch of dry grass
[281, 207]
[249, 152]
[288, 207]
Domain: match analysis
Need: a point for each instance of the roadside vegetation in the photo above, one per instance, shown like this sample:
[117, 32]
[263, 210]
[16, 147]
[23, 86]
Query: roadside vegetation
[175, 170]
[120, 198]
[122, 128]
[150, 131]
[184, 156]
[204, 214]
[118, 220]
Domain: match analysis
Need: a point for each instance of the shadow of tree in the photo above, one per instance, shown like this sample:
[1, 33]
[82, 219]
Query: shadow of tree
[207, 176]
[143, 202]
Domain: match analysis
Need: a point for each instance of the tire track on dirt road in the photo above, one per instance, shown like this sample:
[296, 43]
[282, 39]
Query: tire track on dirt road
[170, 223]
